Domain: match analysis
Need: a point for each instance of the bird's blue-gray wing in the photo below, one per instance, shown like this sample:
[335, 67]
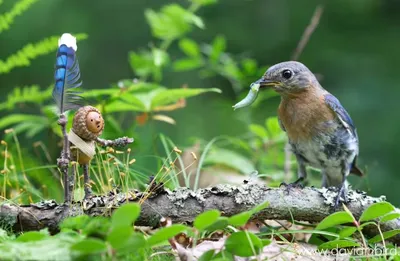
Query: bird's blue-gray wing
[347, 122]
[341, 113]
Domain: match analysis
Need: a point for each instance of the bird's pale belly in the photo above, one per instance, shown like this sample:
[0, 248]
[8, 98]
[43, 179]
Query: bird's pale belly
[327, 151]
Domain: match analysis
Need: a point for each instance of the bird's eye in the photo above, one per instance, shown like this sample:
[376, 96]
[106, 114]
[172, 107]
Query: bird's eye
[287, 74]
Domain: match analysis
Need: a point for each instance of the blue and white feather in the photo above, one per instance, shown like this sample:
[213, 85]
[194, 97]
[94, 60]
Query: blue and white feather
[67, 74]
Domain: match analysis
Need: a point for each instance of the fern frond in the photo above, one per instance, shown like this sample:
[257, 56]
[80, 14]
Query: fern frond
[30, 51]
[7, 19]
[26, 94]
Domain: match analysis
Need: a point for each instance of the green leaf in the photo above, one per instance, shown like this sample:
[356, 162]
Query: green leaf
[273, 127]
[231, 159]
[259, 207]
[189, 47]
[120, 106]
[160, 57]
[386, 235]
[240, 219]
[218, 47]
[249, 66]
[266, 242]
[27, 94]
[119, 236]
[141, 63]
[165, 233]
[172, 95]
[258, 130]
[334, 219]
[376, 210]
[244, 244]
[206, 219]
[172, 21]
[31, 128]
[97, 227]
[347, 231]
[125, 215]
[204, 2]
[137, 241]
[31, 236]
[338, 244]
[12, 119]
[74, 223]
[89, 246]
[221, 223]
[389, 217]
[187, 64]
[24, 56]
[207, 256]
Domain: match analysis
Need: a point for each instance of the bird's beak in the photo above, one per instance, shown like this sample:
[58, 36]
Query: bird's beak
[265, 83]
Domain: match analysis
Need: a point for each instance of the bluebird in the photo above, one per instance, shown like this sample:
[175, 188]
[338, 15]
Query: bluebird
[320, 131]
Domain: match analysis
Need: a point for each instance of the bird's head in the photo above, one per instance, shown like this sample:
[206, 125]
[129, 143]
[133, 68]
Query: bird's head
[288, 78]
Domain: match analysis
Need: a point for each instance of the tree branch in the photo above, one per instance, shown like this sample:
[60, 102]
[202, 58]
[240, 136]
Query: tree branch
[183, 205]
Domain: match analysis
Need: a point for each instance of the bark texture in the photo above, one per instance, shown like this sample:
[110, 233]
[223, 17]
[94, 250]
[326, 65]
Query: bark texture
[183, 205]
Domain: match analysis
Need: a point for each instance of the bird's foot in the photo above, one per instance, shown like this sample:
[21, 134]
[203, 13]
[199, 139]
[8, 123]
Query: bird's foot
[297, 184]
[342, 193]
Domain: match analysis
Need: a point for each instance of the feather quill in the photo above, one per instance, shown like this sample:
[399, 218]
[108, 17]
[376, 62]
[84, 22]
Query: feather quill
[67, 74]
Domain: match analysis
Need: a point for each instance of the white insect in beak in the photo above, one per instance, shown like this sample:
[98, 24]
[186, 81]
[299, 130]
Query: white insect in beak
[250, 98]
[68, 40]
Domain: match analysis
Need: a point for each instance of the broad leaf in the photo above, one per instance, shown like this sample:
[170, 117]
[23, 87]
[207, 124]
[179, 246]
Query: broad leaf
[220, 223]
[386, 235]
[32, 236]
[187, 64]
[390, 216]
[165, 233]
[189, 47]
[119, 236]
[240, 219]
[243, 243]
[206, 219]
[89, 246]
[376, 210]
[347, 231]
[334, 219]
[125, 215]
[172, 21]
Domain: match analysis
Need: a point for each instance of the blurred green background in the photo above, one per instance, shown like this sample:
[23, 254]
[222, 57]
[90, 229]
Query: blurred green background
[354, 49]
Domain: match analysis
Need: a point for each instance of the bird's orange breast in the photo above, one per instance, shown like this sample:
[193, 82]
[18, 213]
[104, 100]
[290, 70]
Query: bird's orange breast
[305, 115]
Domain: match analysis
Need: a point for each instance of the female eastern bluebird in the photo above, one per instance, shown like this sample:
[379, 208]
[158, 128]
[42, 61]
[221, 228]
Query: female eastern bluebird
[320, 131]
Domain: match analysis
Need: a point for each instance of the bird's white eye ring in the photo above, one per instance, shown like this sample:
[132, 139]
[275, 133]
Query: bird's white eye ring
[287, 74]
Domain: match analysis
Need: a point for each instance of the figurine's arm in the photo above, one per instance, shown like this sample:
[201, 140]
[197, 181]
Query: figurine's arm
[120, 142]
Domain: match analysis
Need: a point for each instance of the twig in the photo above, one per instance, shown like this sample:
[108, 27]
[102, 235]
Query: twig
[183, 205]
[308, 32]
[120, 142]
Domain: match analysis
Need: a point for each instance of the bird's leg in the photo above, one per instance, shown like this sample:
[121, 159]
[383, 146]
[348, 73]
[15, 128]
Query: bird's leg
[301, 174]
[86, 181]
[343, 187]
